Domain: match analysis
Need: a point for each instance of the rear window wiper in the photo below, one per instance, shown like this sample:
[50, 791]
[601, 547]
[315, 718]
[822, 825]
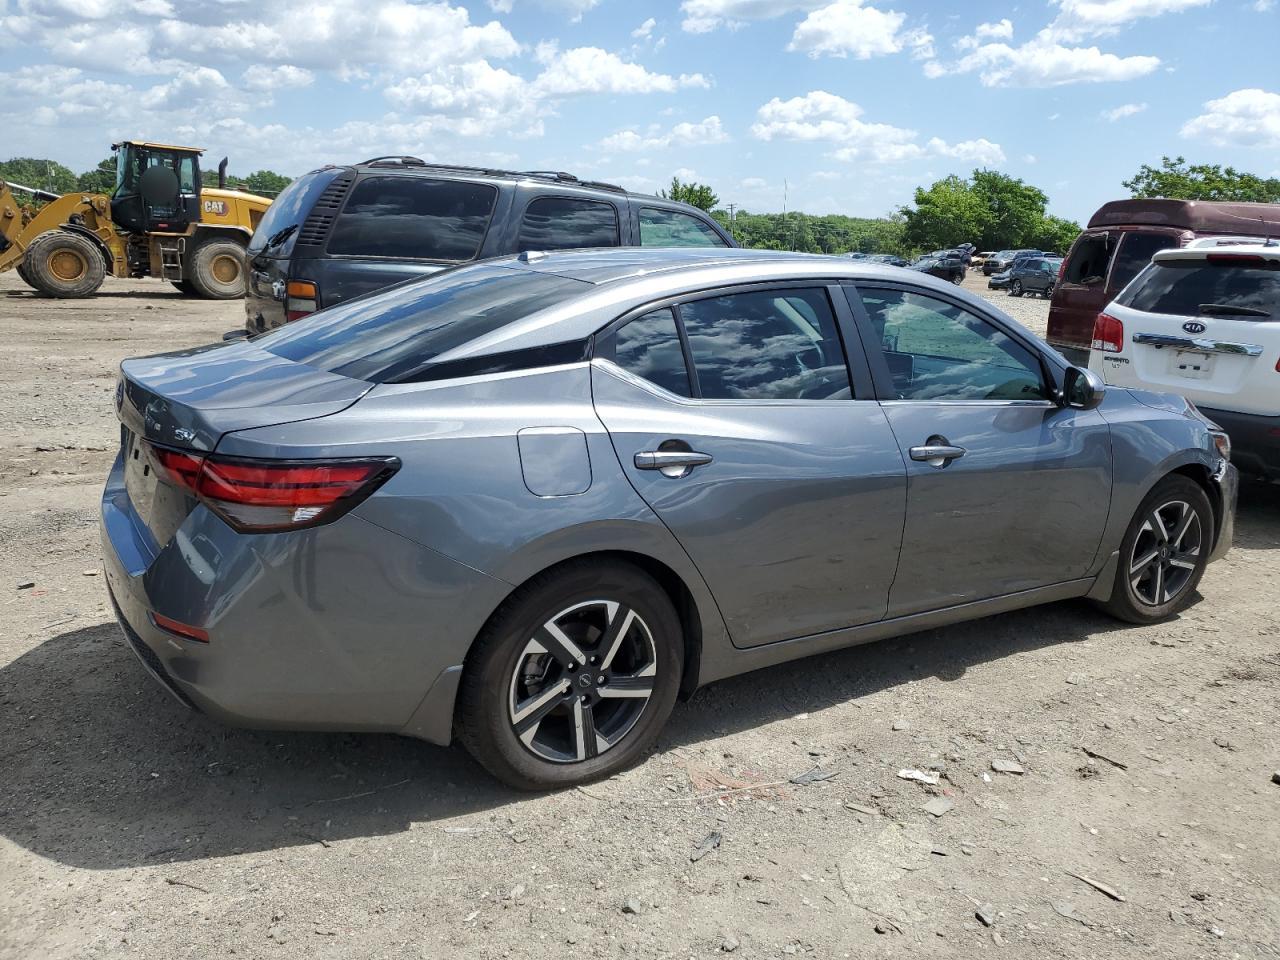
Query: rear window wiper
[280, 236]
[1227, 309]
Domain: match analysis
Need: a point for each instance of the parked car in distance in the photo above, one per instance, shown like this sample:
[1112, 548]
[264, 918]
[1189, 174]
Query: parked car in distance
[1120, 240]
[890, 260]
[530, 502]
[1033, 275]
[980, 259]
[1005, 259]
[945, 268]
[344, 231]
[1204, 322]
[1000, 281]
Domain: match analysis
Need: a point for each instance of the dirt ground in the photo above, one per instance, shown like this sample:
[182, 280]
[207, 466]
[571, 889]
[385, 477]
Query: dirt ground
[131, 828]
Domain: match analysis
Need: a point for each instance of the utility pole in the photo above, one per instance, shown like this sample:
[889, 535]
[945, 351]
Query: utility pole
[732, 220]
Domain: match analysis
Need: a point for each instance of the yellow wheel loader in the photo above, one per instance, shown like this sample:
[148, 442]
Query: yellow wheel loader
[158, 222]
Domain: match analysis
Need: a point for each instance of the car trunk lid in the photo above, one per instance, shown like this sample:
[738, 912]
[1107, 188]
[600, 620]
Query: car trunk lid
[189, 399]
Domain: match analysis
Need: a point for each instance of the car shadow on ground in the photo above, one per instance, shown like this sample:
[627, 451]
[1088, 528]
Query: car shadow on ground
[101, 769]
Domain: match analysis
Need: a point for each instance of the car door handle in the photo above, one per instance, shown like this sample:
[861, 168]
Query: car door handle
[937, 454]
[675, 459]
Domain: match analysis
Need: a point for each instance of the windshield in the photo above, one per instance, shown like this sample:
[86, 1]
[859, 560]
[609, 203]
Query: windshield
[1212, 286]
[392, 336]
[278, 228]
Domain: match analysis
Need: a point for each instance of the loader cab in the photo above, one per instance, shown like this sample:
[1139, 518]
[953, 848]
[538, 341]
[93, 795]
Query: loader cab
[157, 187]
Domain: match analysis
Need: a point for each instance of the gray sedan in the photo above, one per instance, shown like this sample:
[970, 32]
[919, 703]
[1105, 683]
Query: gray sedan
[528, 503]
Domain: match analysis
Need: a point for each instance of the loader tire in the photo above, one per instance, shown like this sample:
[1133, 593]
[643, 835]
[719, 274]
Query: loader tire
[185, 288]
[23, 275]
[217, 270]
[63, 264]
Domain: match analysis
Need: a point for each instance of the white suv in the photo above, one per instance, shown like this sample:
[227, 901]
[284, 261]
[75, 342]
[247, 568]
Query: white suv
[1204, 321]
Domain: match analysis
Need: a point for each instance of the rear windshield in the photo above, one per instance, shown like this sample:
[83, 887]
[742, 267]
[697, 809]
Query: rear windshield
[390, 336]
[278, 228]
[1193, 287]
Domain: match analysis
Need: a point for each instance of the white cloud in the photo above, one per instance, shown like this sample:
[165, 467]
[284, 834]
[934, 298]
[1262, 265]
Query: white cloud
[1001, 30]
[642, 32]
[593, 70]
[1123, 111]
[703, 16]
[822, 116]
[1078, 19]
[283, 77]
[708, 131]
[470, 99]
[1243, 118]
[753, 183]
[1041, 63]
[1263, 6]
[981, 151]
[846, 28]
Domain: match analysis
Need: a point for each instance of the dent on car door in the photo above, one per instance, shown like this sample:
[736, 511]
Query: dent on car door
[735, 418]
[1007, 491]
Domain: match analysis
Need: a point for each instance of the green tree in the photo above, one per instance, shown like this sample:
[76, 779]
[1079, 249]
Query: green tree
[695, 194]
[40, 174]
[266, 182]
[1054, 234]
[1010, 207]
[101, 179]
[947, 213]
[1178, 180]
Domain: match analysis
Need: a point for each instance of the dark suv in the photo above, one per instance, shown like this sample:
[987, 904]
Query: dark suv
[1033, 275]
[341, 232]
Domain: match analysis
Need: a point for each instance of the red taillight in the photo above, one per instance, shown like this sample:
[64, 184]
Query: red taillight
[1234, 258]
[184, 630]
[1108, 334]
[263, 495]
[302, 298]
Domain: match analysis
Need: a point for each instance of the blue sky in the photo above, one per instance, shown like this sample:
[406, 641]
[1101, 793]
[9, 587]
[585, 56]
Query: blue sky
[849, 103]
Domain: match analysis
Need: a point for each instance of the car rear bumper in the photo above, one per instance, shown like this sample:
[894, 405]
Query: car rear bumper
[343, 627]
[1255, 441]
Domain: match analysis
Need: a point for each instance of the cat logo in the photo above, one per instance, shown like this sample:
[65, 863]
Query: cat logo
[216, 207]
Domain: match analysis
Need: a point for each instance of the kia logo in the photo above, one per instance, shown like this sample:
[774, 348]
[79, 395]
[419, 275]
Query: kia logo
[1191, 326]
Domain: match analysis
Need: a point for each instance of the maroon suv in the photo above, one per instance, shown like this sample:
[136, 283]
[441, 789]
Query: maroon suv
[1120, 240]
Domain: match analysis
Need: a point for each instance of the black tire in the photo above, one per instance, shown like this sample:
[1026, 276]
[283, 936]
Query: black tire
[500, 669]
[1047, 292]
[1015, 288]
[216, 270]
[185, 287]
[958, 279]
[1136, 585]
[23, 275]
[63, 264]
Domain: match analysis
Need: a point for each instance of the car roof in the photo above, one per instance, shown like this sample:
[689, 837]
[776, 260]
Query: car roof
[1257, 251]
[1200, 215]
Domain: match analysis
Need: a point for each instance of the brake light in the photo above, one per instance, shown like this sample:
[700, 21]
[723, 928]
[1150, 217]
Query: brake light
[1234, 258]
[256, 496]
[1108, 334]
[302, 297]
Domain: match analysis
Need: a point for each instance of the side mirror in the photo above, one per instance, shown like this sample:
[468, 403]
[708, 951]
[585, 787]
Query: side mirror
[1082, 389]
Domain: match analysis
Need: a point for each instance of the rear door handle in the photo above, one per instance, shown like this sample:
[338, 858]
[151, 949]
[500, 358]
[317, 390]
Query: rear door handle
[937, 452]
[672, 463]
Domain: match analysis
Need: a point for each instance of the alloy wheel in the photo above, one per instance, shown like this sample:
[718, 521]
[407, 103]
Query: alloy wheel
[582, 681]
[1165, 553]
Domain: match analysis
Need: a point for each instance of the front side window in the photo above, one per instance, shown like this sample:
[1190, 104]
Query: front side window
[670, 228]
[938, 351]
[414, 218]
[565, 223]
[1136, 251]
[766, 345]
[649, 347]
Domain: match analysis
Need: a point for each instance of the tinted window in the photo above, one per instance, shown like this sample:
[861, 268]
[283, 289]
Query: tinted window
[287, 211]
[413, 217]
[937, 351]
[1136, 250]
[669, 228]
[561, 223]
[1183, 287]
[771, 345]
[392, 335]
[649, 347]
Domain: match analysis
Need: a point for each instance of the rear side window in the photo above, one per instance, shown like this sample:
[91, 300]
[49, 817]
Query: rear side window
[649, 347]
[1136, 250]
[565, 223]
[670, 228]
[1089, 259]
[279, 226]
[394, 335]
[766, 345]
[1213, 287]
[414, 218]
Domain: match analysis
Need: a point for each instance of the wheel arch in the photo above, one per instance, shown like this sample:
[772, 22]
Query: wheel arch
[1201, 475]
[204, 232]
[83, 231]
